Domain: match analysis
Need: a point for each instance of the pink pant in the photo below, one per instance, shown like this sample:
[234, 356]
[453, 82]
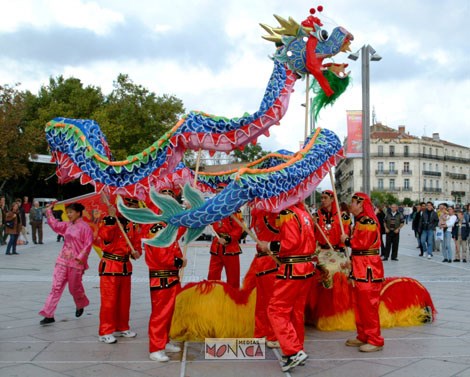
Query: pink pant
[62, 276]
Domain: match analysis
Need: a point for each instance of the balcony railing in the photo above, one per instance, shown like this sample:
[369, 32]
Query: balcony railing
[406, 189]
[386, 172]
[433, 173]
[456, 176]
[457, 193]
[432, 190]
[406, 172]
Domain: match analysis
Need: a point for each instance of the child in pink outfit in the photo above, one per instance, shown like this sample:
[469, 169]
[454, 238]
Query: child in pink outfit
[71, 262]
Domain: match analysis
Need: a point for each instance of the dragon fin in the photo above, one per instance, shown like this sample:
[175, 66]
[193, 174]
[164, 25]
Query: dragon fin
[137, 215]
[164, 237]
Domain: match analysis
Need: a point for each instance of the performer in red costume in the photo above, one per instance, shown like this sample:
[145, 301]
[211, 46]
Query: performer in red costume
[225, 249]
[264, 225]
[296, 246]
[115, 270]
[328, 221]
[367, 274]
[163, 264]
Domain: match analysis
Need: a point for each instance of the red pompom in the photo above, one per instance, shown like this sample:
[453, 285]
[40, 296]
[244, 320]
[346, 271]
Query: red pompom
[312, 10]
[320, 8]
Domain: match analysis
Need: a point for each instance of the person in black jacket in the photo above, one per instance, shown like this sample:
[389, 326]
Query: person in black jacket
[381, 217]
[427, 226]
[417, 213]
[460, 233]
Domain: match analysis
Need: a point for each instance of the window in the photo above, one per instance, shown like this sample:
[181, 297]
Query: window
[406, 184]
[406, 166]
[380, 167]
[381, 183]
[437, 167]
[424, 185]
[437, 184]
[392, 150]
[380, 150]
[391, 167]
[430, 167]
[424, 166]
[392, 184]
[430, 151]
[430, 183]
[407, 151]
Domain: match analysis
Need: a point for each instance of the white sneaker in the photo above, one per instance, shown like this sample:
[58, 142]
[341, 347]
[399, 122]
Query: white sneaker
[159, 356]
[127, 334]
[429, 257]
[294, 360]
[108, 339]
[172, 348]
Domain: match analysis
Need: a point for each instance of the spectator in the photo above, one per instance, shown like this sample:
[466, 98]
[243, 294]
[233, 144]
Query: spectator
[35, 219]
[417, 213]
[23, 230]
[27, 208]
[407, 211]
[381, 217]
[427, 225]
[3, 214]
[13, 227]
[460, 233]
[393, 223]
[57, 213]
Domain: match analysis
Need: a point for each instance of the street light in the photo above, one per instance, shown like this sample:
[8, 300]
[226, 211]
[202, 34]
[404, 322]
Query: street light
[368, 54]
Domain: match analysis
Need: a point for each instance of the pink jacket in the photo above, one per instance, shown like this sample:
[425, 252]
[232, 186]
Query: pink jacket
[78, 238]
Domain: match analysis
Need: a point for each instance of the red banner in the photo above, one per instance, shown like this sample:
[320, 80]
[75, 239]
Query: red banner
[354, 140]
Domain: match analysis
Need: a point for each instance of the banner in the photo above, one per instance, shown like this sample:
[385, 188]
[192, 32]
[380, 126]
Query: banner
[354, 140]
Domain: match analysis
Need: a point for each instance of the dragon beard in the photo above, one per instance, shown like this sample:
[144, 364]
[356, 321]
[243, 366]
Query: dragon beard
[320, 99]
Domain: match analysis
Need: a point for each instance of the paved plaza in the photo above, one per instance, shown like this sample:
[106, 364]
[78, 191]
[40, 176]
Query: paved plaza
[70, 347]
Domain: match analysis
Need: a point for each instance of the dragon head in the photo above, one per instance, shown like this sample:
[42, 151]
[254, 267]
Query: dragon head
[303, 47]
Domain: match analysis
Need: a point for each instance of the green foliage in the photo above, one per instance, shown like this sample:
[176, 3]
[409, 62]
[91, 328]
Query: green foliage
[251, 152]
[131, 117]
[408, 202]
[382, 197]
[17, 139]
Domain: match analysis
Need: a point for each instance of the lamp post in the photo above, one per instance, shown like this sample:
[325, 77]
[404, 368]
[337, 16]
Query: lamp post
[368, 54]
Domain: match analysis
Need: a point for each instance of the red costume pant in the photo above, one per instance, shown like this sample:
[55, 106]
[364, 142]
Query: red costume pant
[115, 304]
[286, 313]
[232, 268]
[366, 299]
[163, 306]
[264, 291]
[62, 276]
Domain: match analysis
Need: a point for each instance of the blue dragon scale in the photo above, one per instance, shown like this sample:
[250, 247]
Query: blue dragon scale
[80, 149]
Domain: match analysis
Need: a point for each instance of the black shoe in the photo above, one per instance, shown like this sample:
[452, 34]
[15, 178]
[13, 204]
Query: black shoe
[35, 242]
[395, 259]
[15, 253]
[384, 259]
[445, 260]
[456, 260]
[449, 261]
[78, 312]
[464, 261]
[47, 321]
[40, 243]
[421, 254]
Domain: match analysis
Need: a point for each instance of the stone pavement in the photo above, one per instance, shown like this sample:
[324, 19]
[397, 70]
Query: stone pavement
[70, 346]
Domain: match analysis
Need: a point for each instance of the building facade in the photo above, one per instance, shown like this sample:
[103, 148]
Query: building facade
[421, 169]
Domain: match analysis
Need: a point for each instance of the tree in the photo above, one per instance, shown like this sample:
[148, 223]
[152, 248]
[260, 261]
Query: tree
[381, 197]
[251, 152]
[132, 118]
[17, 139]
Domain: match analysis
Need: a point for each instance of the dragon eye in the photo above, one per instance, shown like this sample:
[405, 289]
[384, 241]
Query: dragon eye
[323, 35]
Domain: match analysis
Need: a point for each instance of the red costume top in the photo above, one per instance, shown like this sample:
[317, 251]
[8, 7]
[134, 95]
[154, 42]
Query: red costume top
[266, 229]
[164, 262]
[328, 222]
[116, 251]
[296, 244]
[365, 244]
[230, 231]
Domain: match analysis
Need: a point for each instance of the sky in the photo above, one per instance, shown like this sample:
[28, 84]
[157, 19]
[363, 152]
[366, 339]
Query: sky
[210, 54]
